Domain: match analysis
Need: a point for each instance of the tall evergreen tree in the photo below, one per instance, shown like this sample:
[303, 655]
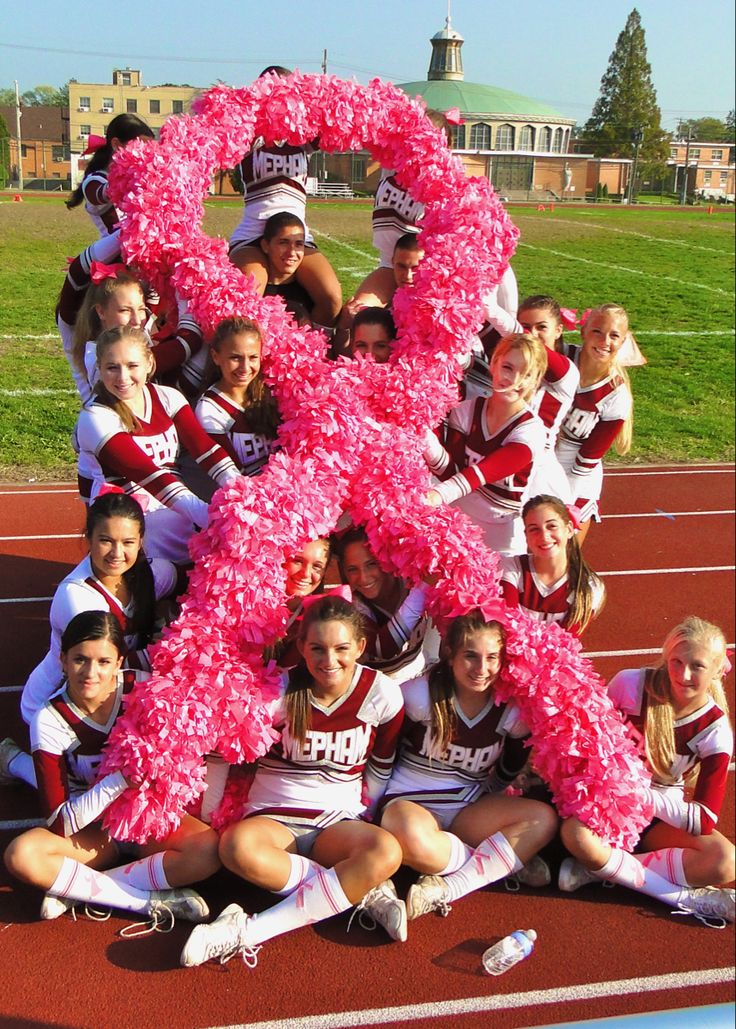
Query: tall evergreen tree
[628, 102]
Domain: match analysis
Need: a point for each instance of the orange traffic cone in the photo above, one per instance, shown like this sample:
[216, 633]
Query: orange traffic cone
[710, 210]
[18, 199]
[541, 207]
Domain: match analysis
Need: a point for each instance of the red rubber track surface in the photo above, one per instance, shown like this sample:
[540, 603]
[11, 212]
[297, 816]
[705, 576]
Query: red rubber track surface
[600, 952]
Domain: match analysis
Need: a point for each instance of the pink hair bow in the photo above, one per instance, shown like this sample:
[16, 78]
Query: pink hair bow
[453, 116]
[584, 316]
[332, 591]
[99, 271]
[727, 666]
[574, 513]
[110, 487]
[629, 355]
[94, 143]
[569, 316]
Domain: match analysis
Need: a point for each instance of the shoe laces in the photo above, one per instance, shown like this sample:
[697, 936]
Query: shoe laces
[365, 918]
[161, 920]
[249, 955]
[712, 920]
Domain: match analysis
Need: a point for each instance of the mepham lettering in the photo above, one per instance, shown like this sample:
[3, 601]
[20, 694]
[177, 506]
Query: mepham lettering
[266, 166]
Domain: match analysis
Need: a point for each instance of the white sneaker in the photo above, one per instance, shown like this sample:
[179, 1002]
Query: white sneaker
[535, 873]
[384, 907]
[714, 907]
[9, 749]
[429, 893]
[54, 907]
[573, 876]
[181, 903]
[223, 939]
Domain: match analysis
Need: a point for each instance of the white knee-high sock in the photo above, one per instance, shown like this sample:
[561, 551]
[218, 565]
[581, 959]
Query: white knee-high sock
[460, 854]
[320, 897]
[623, 868]
[301, 871]
[493, 859]
[668, 863]
[21, 766]
[146, 874]
[79, 882]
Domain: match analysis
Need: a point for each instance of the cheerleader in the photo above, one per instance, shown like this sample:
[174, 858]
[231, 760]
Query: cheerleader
[130, 435]
[552, 582]
[492, 446]
[394, 614]
[305, 574]
[66, 859]
[678, 711]
[275, 180]
[460, 749]
[283, 247]
[93, 190]
[302, 835]
[601, 414]
[238, 410]
[373, 333]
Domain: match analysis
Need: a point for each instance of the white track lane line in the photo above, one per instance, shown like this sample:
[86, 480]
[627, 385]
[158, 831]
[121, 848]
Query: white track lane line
[668, 514]
[446, 1009]
[67, 536]
[25, 600]
[669, 571]
[62, 488]
[20, 823]
[623, 474]
[628, 653]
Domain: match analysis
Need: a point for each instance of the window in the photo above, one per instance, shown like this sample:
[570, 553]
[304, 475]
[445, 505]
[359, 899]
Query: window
[708, 176]
[480, 136]
[125, 80]
[545, 139]
[526, 138]
[84, 130]
[557, 142]
[359, 165]
[717, 155]
[108, 104]
[695, 153]
[23, 150]
[57, 154]
[177, 107]
[84, 103]
[154, 107]
[724, 178]
[505, 137]
[673, 153]
[131, 106]
[457, 137]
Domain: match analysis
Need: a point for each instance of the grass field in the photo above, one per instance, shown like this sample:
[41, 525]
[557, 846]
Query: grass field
[672, 269]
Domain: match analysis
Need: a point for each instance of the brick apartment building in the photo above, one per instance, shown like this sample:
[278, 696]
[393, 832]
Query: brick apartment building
[45, 156]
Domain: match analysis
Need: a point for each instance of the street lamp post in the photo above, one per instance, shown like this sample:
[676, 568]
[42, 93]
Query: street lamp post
[636, 137]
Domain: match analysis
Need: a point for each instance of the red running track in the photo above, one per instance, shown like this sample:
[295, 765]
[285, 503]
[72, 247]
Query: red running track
[601, 952]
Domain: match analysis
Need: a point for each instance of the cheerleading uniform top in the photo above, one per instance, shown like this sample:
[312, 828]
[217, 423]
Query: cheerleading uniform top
[486, 749]
[97, 202]
[522, 587]
[395, 212]
[275, 181]
[67, 749]
[81, 590]
[395, 639]
[344, 764]
[594, 420]
[703, 738]
[142, 461]
[228, 424]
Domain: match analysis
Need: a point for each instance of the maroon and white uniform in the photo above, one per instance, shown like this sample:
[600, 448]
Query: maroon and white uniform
[522, 587]
[229, 425]
[81, 590]
[142, 464]
[345, 763]
[486, 475]
[704, 737]
[97, 203]
[596, 417]
[67, 750]
[275, 180]
[484, 755]
[395, 213]
[395, 639]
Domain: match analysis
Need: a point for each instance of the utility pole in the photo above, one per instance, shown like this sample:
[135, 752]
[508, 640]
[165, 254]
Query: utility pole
[18, 139]
[324, 62]
[636, 137]
[683, 184]
[323, 166]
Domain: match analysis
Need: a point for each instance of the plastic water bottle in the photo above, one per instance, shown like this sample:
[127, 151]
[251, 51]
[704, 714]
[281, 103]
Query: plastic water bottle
[509, 951]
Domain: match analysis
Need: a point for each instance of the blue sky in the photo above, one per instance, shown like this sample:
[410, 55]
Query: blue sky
[556, 52]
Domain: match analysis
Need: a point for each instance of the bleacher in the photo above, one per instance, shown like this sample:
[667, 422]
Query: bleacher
[332, 189]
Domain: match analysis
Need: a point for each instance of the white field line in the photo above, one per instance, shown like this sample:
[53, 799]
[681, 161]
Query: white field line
[628, 271]
[694, 332]
[447, 1009]
[55, 536]
[668, 514]
[669, 571]
[641, 235]
[46, 335]
[347, 246]
[37, 392]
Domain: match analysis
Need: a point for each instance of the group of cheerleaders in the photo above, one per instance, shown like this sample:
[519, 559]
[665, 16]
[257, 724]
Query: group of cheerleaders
[391, 746]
